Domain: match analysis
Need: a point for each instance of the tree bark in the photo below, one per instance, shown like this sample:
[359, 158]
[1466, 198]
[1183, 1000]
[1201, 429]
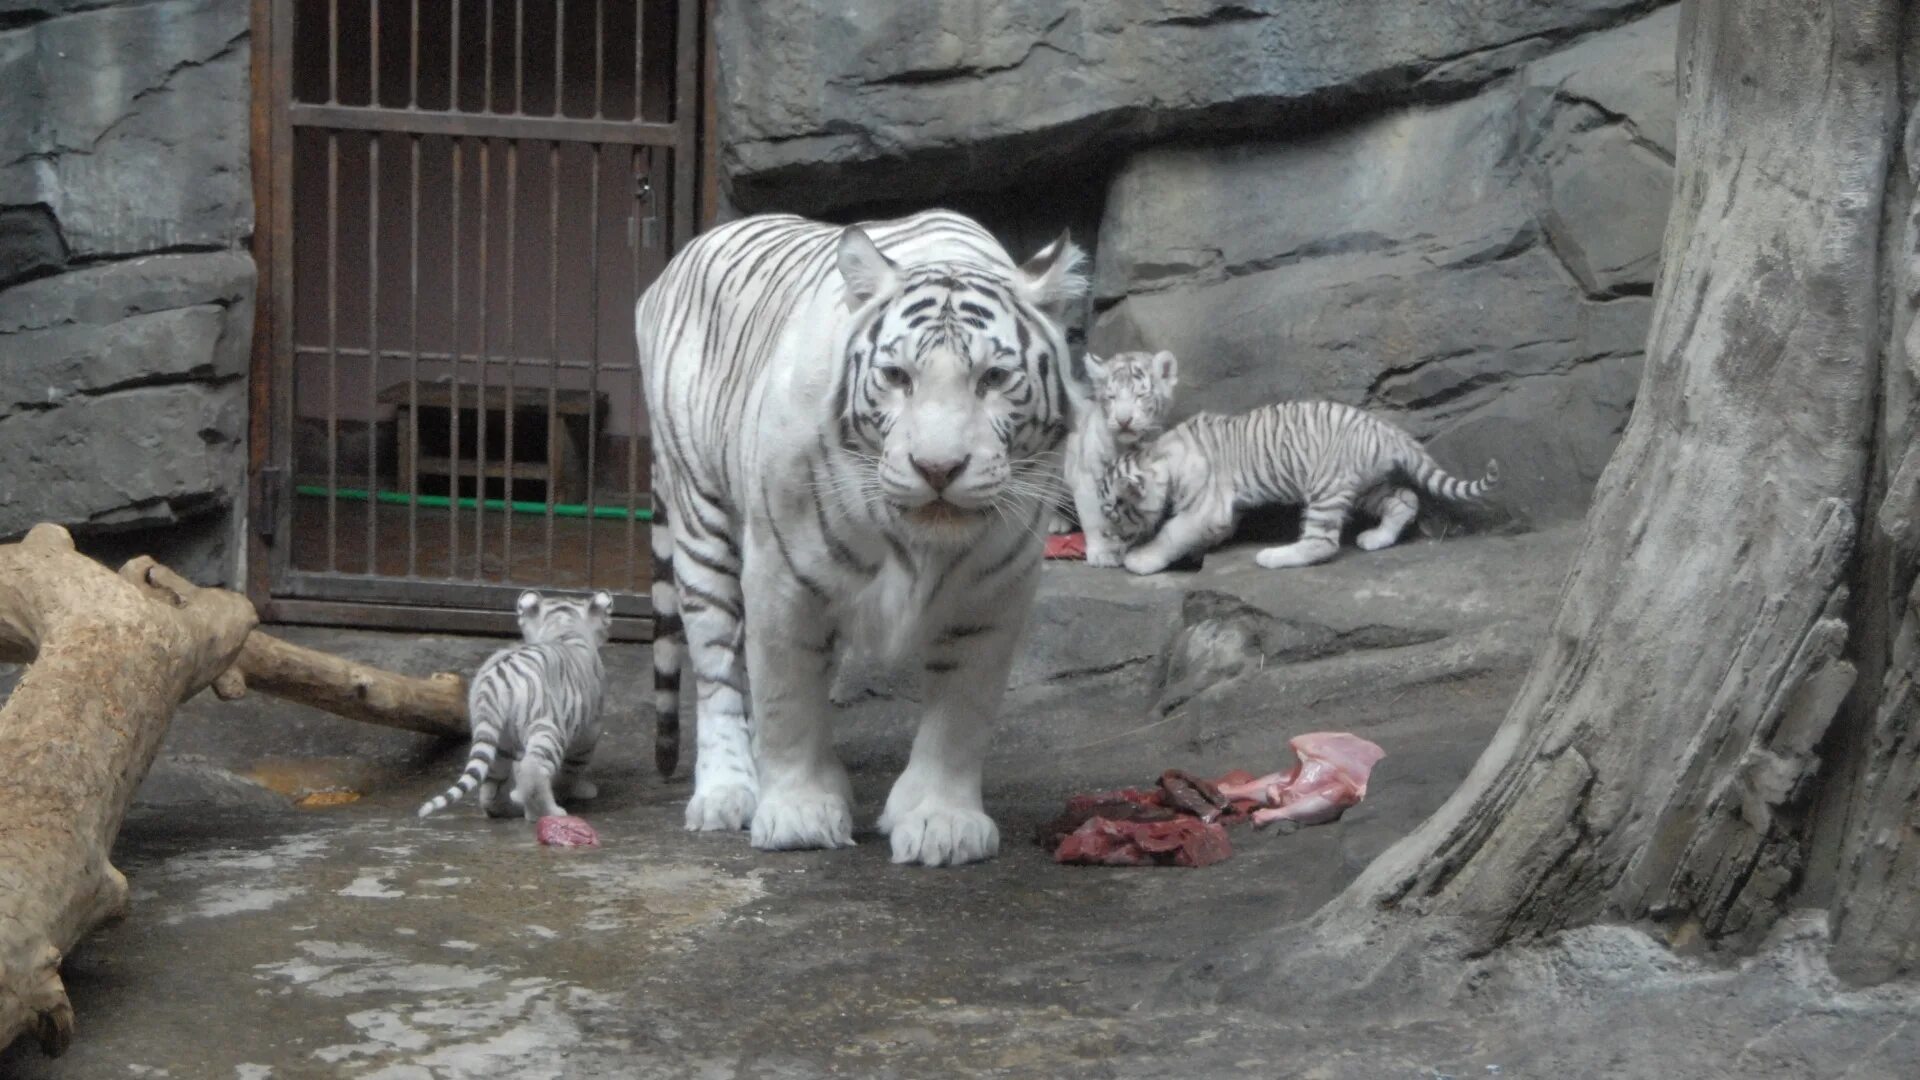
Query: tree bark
[77, 735]
[435, 705]
[1694, 713]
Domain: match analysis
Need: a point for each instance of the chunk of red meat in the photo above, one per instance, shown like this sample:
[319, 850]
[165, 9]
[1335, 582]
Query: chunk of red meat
[567, 831]
[1192, 794]
[1180, 841]
[1124, 805]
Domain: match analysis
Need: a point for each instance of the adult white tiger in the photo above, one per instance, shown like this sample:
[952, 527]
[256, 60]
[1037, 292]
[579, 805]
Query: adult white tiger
[853, 434]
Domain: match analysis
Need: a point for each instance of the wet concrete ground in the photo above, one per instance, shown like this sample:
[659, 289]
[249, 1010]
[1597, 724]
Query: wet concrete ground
[291, 918]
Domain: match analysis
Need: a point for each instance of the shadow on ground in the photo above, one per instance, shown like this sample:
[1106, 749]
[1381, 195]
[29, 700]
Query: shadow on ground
[291, 918]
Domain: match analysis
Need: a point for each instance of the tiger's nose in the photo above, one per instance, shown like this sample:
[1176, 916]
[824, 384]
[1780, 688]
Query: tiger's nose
[938, 474]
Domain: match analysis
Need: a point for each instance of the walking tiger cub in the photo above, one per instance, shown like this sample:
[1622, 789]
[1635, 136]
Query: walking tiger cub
[534, 710]
[1183, 492]
[1133, 392]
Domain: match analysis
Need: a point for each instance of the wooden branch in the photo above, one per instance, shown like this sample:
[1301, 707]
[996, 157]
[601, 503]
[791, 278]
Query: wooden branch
[435, 705]
[77, 735]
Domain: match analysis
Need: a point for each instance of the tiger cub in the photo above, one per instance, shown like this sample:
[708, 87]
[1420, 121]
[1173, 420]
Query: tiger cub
[1183, 492]
[536, 705]
[1133, 392]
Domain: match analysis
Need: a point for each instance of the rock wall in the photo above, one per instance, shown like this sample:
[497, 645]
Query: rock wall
[1450, 213]
[126, 291]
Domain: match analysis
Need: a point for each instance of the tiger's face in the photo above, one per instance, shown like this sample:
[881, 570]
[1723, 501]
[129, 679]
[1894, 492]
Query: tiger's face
[1134, 391]
[954, 386]
[547, 618]
[1133, 496]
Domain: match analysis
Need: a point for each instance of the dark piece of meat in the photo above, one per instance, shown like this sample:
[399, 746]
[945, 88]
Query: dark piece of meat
[1181, 841]
[1124, 805]
[568, 831]
[1194, 795]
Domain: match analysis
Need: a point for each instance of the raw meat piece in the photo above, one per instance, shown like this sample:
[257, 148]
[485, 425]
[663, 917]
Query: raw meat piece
[1194, 795]
[1181, 841]
[1125, 805]
[1067, 546]
[1330, 776]
[567, 831]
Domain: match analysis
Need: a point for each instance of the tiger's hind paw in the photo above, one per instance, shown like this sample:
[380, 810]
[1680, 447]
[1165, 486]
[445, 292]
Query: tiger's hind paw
[721, 808]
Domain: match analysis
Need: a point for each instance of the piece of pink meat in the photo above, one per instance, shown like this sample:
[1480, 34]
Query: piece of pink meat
[565, 831]
[1330, 776]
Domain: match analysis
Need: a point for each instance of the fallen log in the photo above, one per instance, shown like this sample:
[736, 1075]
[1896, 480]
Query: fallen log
[110, 657]
[436, 704]
[77, 736]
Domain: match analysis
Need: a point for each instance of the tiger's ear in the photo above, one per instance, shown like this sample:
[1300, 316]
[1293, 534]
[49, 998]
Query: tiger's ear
[1166, 367]
[1096, 368]
[602, 602]
[529, 600]
[868, 273]
[1053, 278]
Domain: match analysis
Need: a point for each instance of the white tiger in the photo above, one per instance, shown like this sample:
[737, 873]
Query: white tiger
[1133, 392]
[854, 434]
[1183, 492]
[534, 709]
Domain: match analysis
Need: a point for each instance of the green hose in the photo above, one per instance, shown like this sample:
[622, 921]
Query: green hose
[442, 502]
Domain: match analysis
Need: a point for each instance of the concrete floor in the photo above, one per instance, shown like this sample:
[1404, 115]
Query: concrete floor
[291, 917]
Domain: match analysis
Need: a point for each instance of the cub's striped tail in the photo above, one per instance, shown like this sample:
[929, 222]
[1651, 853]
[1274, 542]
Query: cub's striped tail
[1427, 474]
[476, 771]
[669, 635]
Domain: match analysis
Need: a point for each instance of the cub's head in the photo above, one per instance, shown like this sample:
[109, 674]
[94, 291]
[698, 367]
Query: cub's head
[1134, 391]
[551, 618]
[1133, 492]
[954, 384]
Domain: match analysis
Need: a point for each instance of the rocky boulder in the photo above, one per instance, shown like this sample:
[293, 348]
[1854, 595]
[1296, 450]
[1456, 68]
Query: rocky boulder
[829, 105]
[1479, 271]
[126, 294]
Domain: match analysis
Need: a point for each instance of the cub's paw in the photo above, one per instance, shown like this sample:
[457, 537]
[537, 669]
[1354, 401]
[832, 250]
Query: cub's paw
[1103, 555]
[1060, 524]
[1141, 562]
[936, 835]
[1372, 540]
[721, 808]
[797, 820]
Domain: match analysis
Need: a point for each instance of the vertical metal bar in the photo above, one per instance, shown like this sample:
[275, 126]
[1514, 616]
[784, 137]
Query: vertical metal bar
[599, 65]
[373, 53]
[640, 62]
[519, 57]
[553, 343]
[593, 351]
[453, 378]
[453, 61]
[413, 329]
[486, 91]
[633, 443]
[413, 61]
[480, 395]
[512, 345]
[560, 58]
[373, 342]
[686, 116]
[333, 346]
[373, 291]
[333, 52]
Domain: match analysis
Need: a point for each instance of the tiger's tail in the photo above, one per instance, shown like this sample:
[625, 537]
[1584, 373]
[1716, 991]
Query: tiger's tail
[1428, 476]
[485, 747]
[669, 634]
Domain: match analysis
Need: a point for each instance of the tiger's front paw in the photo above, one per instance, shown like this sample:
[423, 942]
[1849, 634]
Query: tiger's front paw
[939, 835]
[1104, 554]
[1060, 524]
[721, 808]
[797, 819]
[1141, 561]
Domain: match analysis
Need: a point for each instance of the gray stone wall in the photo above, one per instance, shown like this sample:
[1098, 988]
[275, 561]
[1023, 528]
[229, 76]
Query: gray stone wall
[126, 290]
[1448, 212]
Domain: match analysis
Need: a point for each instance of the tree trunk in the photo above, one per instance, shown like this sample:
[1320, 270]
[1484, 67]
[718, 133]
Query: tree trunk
[76, 737]
[1692, 727]
[435, 705]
